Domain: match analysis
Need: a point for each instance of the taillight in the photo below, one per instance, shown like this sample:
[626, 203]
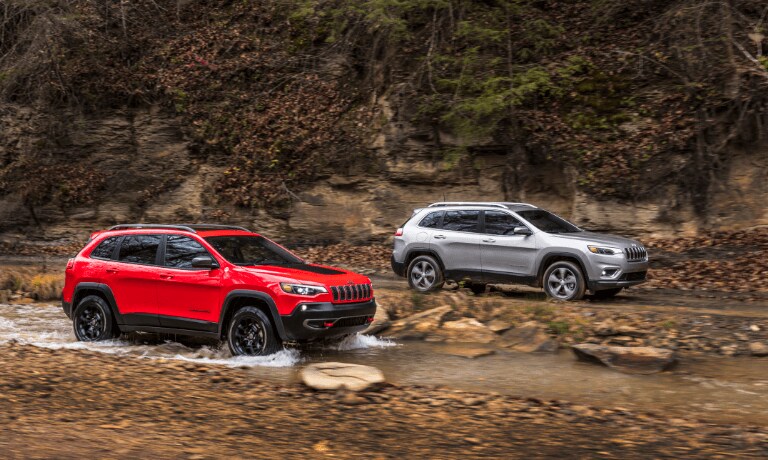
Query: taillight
[399, 232]
[70, 264]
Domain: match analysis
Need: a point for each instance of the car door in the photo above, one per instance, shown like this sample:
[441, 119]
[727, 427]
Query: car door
[505, 256]
[134, 277]
[458, 243]
[188, 298]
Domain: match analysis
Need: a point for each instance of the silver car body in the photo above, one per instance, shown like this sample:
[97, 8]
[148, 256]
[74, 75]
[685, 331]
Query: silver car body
[515, 258]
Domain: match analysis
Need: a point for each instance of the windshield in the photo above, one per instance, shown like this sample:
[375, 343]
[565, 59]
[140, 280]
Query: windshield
[548, 222]
[252, 250]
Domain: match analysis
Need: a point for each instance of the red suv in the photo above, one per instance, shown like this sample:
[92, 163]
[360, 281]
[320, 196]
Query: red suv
[209, 280]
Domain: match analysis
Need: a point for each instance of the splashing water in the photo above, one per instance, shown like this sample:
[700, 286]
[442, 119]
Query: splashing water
[360, 341]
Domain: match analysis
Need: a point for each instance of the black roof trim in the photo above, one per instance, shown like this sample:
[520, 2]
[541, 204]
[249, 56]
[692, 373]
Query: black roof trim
[192, 228]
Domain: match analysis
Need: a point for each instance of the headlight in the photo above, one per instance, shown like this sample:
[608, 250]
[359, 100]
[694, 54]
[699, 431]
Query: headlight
[604, 251]
[302, 289]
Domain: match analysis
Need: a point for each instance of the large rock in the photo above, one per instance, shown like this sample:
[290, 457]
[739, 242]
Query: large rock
[466, 330]
[421, 324]
[758, 349]
[634, 360]
[529, 337]
[334, 376]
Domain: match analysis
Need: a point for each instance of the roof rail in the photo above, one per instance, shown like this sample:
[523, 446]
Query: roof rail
[493, 204]
[192, 228]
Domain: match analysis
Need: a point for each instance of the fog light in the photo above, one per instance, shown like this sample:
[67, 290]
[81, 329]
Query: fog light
[609, 272]
[303, 308]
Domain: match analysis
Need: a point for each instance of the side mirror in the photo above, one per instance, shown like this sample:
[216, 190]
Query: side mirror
[204, 262]
[522, 230]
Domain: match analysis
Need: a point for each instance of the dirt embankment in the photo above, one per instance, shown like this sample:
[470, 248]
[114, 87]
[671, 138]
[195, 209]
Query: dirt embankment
[67, 404]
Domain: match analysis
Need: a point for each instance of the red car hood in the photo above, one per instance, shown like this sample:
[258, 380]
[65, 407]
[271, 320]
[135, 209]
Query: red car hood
[311, 273]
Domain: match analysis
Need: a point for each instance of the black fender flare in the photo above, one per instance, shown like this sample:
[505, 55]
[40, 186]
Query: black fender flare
[105, 292]
[423, 251]
[258, 295]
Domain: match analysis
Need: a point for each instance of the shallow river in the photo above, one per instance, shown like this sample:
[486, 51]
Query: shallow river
[710, 388]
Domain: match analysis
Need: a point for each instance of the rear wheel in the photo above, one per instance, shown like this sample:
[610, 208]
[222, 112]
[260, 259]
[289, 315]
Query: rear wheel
[424, 274]
[563, 280]
[92, 320]
[607, 293]
[250, 333]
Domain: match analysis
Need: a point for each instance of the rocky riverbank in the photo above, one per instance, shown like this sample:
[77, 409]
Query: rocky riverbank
[67, 404]
[540, 325]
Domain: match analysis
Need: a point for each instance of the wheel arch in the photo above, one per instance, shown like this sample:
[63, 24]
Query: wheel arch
[82, 290]
[553, 257]
[241, 298]
[414, 253]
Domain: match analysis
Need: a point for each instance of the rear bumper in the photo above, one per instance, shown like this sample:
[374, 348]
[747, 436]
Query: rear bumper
[397, 267]
[316, 320]
[67, 307]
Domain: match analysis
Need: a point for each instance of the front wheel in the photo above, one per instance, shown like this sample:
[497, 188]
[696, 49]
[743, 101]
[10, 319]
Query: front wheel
[250, 333]
[92, 320]
[424, 274]
[563, 280]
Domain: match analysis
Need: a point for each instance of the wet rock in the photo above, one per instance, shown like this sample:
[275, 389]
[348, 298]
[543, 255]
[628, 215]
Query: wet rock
[334, 376]
[635, 360]
[467, 330]
[470, 352]
[419, 325]
[758, 349]
[529, 337]
[498, 326]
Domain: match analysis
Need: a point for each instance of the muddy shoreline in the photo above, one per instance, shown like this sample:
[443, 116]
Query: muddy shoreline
[66, 404]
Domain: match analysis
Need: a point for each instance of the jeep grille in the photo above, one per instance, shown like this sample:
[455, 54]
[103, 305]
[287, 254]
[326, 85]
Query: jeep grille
[635, 254]
[351, 292]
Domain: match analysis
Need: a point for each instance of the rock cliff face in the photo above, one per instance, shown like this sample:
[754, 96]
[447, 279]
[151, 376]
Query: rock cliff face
[151, 173]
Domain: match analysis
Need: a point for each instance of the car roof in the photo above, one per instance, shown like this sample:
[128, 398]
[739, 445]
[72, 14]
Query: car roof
[482, 204]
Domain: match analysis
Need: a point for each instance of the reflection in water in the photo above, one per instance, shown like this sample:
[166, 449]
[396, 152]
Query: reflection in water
[710, 388]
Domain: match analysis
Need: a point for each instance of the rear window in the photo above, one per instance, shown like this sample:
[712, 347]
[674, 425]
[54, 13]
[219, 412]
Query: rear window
[139, 249]
[105, 249]
[431, 220]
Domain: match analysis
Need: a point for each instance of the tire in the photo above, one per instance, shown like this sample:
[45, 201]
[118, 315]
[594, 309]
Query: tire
[477, 288]
[251, 333]
[424, 274]
[606, 293]
[92, 320]
[563, 280]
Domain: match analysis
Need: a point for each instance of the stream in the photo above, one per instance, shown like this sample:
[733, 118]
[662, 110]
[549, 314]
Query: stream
[711, 388]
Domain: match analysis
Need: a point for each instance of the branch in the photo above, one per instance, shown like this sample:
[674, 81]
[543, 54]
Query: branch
[762, 70]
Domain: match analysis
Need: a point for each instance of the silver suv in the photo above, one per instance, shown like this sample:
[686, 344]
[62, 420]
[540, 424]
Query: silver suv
[513, 243]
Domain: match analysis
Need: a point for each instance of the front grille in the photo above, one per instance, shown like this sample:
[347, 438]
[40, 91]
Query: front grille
[635, 276]
[351, 292]
[635, 254]
[351, 321]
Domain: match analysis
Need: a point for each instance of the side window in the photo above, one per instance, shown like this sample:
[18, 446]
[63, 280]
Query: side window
[500, 223]
[180, 250]
[139, 249]
[431, 220]
[461, 221]
[106, 248]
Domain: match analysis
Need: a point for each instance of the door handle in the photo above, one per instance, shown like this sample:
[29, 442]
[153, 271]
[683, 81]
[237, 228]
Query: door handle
[166, 277]
[439, 237]
[112, 271]
[489, 240]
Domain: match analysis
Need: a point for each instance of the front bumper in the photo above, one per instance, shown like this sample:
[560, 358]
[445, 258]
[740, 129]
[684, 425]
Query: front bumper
[325, 319]
[625, 280]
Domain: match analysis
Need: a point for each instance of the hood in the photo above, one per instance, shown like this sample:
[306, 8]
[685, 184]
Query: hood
[308, 273]
[598, 238]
